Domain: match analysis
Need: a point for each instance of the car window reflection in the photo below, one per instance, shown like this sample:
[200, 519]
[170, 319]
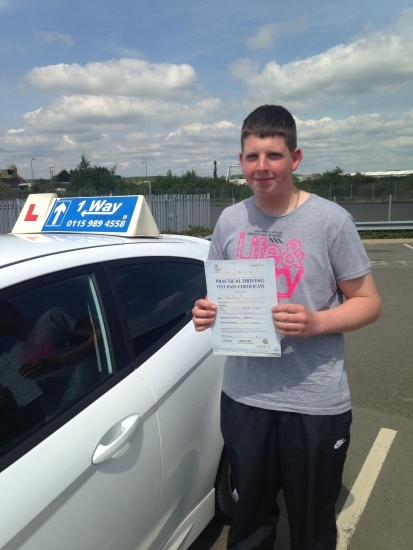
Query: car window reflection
[156, 297]
[47, 361]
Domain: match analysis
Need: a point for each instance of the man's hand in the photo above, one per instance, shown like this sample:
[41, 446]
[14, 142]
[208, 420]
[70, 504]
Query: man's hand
[361, 307]
[295, 320]
[37, 368]
[203, 314]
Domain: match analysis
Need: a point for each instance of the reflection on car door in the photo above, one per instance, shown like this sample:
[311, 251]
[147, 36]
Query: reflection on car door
[94, 482]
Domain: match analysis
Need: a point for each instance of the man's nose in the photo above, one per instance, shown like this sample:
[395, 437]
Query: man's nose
[262, 163]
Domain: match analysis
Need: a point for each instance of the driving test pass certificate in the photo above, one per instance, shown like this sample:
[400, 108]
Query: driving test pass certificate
[244, 292]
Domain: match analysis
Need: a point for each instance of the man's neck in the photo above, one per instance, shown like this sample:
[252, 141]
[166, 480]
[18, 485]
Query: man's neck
[279, 205]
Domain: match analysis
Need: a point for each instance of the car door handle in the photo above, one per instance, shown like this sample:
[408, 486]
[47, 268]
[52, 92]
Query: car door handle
[127, 429]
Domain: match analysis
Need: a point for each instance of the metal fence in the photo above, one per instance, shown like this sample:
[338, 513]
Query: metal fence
[178, 212]
[9, 212]
[171, 212]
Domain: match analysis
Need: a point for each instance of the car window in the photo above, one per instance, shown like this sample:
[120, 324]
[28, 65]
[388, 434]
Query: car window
[53, 351]
[156, 297]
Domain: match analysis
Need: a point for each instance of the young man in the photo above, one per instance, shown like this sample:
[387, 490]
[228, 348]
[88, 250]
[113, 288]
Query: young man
[286, 420]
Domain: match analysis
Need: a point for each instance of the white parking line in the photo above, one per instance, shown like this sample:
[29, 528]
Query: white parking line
[408, 246]
[362, 488]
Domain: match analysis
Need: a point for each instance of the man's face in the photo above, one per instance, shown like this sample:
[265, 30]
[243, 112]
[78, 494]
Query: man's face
[268, 164]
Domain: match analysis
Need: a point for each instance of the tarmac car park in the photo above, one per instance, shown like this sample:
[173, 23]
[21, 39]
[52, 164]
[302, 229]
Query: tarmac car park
[109, 399]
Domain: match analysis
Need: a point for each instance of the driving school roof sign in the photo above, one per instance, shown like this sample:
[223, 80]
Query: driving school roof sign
[127, 216]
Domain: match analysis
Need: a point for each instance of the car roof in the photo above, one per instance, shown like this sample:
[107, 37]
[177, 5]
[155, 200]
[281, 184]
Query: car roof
[23, 247]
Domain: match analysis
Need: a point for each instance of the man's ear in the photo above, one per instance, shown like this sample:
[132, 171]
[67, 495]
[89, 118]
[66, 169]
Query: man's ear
[297, 158]
[240, 160]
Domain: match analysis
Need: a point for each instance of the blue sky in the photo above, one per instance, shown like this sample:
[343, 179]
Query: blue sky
[169, 82]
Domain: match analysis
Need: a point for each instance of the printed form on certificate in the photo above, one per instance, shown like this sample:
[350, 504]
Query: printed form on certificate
[244, 292]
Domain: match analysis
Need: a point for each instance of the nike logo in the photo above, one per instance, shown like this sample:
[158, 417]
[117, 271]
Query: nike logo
[339, 443]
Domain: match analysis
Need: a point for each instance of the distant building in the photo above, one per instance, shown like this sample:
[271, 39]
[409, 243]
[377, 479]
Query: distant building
[385, 173]
[10, 178]
[382, 174]
[303, 177]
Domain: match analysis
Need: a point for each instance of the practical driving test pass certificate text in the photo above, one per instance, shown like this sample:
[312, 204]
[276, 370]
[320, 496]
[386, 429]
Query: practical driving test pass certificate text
[244, 292]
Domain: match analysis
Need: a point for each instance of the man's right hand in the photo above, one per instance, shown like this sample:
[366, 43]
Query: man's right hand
[203, 314]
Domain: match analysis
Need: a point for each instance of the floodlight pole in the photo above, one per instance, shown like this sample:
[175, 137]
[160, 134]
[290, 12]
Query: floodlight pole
[31, 167]
[229, 170]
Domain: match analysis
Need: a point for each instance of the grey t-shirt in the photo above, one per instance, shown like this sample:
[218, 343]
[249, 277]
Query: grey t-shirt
[314, 247]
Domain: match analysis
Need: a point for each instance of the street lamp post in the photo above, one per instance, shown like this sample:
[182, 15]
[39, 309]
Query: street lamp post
[31, 167]
[146, 168]
[148, 183]
[52, 172]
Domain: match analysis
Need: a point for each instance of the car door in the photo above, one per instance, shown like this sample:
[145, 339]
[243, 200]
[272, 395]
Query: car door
[80, 447]
[157, 296]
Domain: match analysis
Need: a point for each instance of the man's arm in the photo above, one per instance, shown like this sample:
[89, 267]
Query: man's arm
[362, 307]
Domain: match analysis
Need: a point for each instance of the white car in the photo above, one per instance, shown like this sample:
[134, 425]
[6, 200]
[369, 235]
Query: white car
[109, 399]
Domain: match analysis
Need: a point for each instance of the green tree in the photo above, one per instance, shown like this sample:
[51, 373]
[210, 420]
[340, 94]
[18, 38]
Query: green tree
[79, 176]
[90, 180]
[42, 186]
[63, 176]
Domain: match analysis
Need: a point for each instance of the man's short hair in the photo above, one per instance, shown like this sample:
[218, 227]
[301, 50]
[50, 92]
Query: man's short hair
[269, 121]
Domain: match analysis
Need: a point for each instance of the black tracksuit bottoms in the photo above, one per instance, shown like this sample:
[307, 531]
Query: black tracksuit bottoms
[300, 453]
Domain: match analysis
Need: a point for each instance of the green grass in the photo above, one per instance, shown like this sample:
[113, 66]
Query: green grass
[193, 231]
[386, 234]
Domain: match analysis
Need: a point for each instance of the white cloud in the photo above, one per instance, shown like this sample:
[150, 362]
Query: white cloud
[364, 142]
[4, 4]
[267, 34]
[265, 37]
[81, 113]
[48, 37]
[127, 77]
[196, 142]
[116, 112]
[378, 64]
[202, 132]
[358, 143]
[120, 51]
[194, 145]
[245, 69]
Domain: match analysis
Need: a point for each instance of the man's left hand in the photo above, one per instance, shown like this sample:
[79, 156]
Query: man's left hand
[295, 320]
